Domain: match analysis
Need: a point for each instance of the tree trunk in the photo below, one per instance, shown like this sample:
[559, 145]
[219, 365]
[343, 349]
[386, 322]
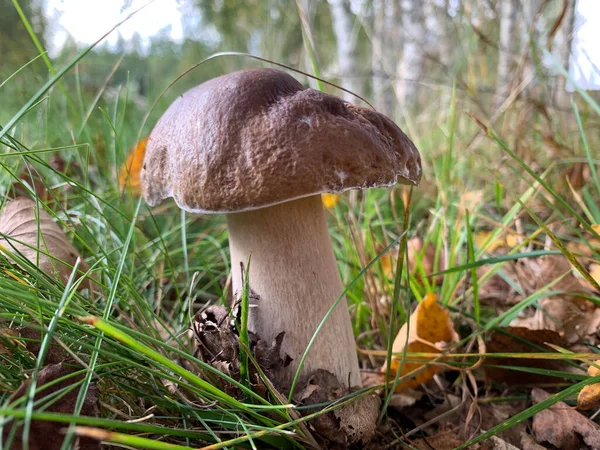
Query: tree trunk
[565, 42]
[529, 39]
[381, 55]
[343, 24]
[411, 61]
[508, 20]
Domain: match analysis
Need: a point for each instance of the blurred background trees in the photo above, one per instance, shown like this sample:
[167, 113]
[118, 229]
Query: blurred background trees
[403, 55]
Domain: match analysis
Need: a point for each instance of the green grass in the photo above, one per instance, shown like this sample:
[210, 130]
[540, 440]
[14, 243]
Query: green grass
[156, 268]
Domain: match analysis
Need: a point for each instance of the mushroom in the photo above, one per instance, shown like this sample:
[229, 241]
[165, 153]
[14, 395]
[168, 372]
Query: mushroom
[259, 147]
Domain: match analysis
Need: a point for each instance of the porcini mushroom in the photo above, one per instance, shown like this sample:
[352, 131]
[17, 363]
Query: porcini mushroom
[259, 147]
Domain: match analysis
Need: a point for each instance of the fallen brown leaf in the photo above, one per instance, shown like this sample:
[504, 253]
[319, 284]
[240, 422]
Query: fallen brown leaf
[496, 291]
[31, 233]
[45, 435]
[562, 426]
[528, 442]
[430, 330]
[468, 416]
[569, 314]
[521, 340]
[449, 441]
[353, 423]
[218, 345]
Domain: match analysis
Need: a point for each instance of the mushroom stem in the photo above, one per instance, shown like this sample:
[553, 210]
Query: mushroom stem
[295, 275]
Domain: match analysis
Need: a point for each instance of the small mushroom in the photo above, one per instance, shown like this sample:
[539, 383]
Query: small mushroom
[259, 147]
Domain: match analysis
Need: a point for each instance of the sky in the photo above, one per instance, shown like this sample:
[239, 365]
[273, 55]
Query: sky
[585, 56]
[88, 20]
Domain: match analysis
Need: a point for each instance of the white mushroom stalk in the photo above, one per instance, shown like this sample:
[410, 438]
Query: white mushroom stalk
[295, 274]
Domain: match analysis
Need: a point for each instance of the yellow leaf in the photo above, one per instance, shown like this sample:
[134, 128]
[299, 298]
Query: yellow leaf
[129, 175]
[595, 272]
[511, 241]
[386, 264]
[330, 200]
[430, 330]
[589, 396]
[502, 241]
[596, 228]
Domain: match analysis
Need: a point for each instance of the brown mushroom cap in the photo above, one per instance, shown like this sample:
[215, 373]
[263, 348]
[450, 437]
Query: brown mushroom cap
[255, 138]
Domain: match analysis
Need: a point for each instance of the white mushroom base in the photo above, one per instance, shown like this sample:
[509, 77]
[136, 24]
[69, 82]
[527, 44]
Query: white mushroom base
[294, 272]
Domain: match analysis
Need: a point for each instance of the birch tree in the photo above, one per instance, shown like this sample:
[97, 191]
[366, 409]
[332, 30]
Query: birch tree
[411, 61]
[343, 26]
[384, 44]
[565, 41]
[529, 41]
[506, 50]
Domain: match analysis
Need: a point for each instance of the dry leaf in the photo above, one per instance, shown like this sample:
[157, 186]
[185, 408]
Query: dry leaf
[441, 441]
[44, 435]
[581, 248]
[562, 426]
[589, 396]
[594, 271]
[430, 330]
[386, 264]
[528, 443]
[464, 417]
[507, 241]
[129, 175]
[218, 345]
[568, 313]
[29, 232]
[497, 291]
[470, 200]
[522, 340]
[451, 439]
[353, 423]
[330, 200]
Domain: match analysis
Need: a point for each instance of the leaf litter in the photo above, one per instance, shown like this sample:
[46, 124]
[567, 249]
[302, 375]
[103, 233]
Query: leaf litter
[217, 343]
[449, 405]
[530, 350]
